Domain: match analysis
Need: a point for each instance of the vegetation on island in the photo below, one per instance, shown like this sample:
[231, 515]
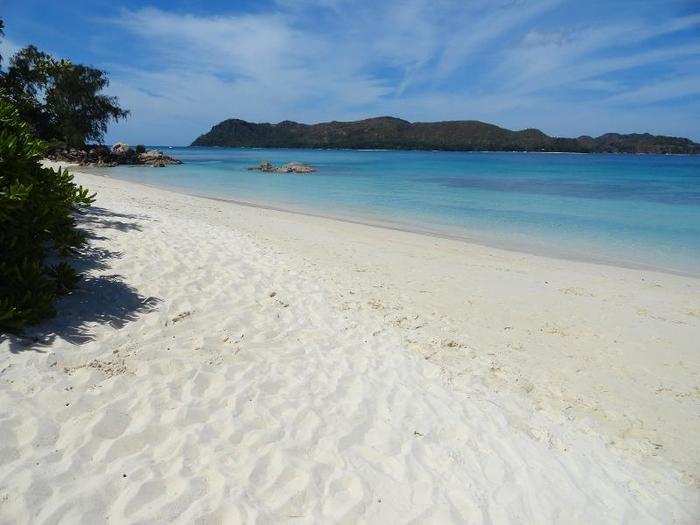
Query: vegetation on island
[43, 100]
[394, 133]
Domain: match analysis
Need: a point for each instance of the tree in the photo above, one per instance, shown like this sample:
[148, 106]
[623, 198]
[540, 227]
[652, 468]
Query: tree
[37, 224]
[23, 85]
[62, 101]
[78, 111]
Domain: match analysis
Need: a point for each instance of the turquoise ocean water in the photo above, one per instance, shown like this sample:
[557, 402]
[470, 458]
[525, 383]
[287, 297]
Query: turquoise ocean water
[633, 210]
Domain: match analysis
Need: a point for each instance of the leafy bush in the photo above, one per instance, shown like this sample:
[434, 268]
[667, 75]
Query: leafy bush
[140, 148]
[37, 225]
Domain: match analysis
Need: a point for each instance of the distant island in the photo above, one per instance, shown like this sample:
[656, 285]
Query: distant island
[459, 135]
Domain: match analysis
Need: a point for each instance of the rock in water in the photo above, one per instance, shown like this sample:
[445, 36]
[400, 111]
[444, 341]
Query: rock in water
[156, 158]
[295, 167]
[263, 166]
[292, 167]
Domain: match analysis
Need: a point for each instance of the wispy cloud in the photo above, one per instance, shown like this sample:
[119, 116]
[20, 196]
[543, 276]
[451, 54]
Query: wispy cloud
[481, 28]
[7, 49]
[263, 52]
[667, 89]
[505, 61]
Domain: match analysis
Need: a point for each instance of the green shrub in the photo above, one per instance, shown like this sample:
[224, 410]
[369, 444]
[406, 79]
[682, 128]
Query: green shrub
[140, 148]
[37, 225]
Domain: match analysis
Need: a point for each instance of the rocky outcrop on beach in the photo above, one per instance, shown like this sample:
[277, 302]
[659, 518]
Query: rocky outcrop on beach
[156, 158]
[458, 135]
[120, 149]
[291, 167]
[119, 153]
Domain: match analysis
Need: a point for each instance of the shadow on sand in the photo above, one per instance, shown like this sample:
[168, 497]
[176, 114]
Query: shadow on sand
[102, 299]
[97, 218]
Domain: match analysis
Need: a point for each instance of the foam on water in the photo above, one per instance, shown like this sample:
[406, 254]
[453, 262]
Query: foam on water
[637, 210]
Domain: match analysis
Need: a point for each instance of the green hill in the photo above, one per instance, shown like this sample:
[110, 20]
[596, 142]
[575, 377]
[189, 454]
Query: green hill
[395, 133]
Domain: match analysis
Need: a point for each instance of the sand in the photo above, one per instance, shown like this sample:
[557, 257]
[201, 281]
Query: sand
[224, 363]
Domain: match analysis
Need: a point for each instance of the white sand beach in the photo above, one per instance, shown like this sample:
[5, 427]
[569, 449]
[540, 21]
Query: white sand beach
[223, 363]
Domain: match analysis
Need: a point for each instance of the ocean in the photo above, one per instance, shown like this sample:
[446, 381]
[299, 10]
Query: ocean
[630, 210]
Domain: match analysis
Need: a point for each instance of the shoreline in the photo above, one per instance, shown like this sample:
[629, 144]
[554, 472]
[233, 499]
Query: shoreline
[514, 247]
[233, 363]
[301, 233]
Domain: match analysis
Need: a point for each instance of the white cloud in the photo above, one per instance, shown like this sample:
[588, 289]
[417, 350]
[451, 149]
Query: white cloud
[667, 89]
[333, 59]
[544, 60]
[7, 49]
[541, 75]
[250, 66]
[481, 28]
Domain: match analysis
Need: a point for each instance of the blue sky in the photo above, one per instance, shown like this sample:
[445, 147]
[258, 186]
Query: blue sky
[568, 67]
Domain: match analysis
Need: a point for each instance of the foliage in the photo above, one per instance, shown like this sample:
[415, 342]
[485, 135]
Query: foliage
[79, 112]
[60, 100]
[394, 133]
[22, 85]
[140, 148]
[37, 225]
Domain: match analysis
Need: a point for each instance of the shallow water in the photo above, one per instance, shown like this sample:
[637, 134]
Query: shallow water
[635, 210]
